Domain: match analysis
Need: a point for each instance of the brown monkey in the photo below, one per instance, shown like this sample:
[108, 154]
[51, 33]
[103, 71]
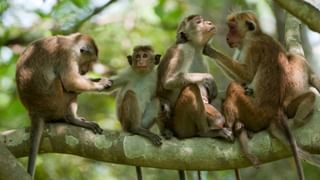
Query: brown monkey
[49, 77]
[137, 105]
[185, 84]
[186, 88]
[265, 65]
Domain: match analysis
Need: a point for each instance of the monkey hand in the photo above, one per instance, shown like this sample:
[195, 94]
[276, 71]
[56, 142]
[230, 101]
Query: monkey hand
[209, 51]
[105, 83]
[247, 91]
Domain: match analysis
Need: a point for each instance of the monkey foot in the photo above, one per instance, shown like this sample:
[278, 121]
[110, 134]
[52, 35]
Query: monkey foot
[94, 127]
[155, 139]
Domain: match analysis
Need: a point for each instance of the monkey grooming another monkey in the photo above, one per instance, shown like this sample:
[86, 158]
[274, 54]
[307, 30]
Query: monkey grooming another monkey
[272, 73]
[49, 77]
[137, 105]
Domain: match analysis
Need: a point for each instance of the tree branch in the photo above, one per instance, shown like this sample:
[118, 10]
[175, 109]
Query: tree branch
[307, 13]
[293, 35]
[189, 154]
[10, 167]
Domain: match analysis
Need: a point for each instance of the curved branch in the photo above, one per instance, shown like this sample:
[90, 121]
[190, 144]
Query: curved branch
[307, 13]
[189, 154]
[10, 167]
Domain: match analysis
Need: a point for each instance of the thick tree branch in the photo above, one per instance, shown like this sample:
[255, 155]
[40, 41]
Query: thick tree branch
[194, 153]
[307, 13]
[10, 167]
[293, 35]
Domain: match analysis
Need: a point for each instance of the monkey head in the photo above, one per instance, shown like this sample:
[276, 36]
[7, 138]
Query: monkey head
[241, 25]
[86, 50]
[196, 30]
[143, 59]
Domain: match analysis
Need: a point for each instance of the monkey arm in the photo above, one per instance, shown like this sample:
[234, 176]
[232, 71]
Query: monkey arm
[235, 70]
[72, 81]
[182, 79]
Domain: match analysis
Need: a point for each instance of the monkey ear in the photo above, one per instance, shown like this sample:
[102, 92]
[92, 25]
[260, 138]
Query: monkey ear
[251, 25]
[181, 38]
[157, 59]
[129, 59]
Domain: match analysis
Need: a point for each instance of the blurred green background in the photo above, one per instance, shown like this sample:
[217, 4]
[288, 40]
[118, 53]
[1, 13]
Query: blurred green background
[117, 27]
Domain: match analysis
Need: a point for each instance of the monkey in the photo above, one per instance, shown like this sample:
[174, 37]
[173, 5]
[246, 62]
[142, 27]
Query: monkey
[49, 77]
[186, 88]
[137, 104]
[266, 66]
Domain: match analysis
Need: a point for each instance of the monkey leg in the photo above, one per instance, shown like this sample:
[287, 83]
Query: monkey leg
[37, 127]
[239, 106]
[242, 134]
[300, 107]
[130, 118]
[190, 118]
[73, 118]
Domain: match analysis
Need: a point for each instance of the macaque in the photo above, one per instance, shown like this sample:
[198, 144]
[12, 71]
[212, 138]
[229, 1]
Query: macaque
[185, 85]
[49, 77]
[186, 88]
[278, 86]
[137, 104]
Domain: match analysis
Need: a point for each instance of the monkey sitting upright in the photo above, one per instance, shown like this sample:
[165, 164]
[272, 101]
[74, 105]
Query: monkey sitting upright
[49, 77]
[280, 84]
[187, 87]
[137, 105]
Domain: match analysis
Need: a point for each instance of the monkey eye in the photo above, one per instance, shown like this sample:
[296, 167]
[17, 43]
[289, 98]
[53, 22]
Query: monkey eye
[144, 55]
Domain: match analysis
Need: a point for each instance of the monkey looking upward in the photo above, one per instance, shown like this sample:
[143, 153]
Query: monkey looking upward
[185, 84]
[272, 73]
[49, 77]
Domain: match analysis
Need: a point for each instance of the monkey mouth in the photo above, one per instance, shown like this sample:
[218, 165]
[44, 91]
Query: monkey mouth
[213, 30]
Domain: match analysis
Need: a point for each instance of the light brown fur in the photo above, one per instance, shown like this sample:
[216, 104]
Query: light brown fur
[265, 66]
[49, 79]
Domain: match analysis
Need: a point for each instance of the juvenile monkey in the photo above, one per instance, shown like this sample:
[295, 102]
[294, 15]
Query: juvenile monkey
[49, 77]
[185, 84]
[266, 66]
[137, 105]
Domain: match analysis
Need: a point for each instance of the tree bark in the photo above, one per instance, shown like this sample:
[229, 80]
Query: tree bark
[189, 154]
[307, 13]
[10, 167]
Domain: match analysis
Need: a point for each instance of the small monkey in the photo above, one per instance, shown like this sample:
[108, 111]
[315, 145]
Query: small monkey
[49, 77]
[266, 66]
[137, 104]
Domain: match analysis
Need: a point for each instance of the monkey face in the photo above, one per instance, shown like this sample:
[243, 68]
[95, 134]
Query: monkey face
[199, 31]
[143, 61]
[240, 25]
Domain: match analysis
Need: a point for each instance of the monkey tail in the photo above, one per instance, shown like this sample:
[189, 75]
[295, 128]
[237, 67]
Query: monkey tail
[36, 134]
[293, 143]
[237, 174]
[139, 173]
